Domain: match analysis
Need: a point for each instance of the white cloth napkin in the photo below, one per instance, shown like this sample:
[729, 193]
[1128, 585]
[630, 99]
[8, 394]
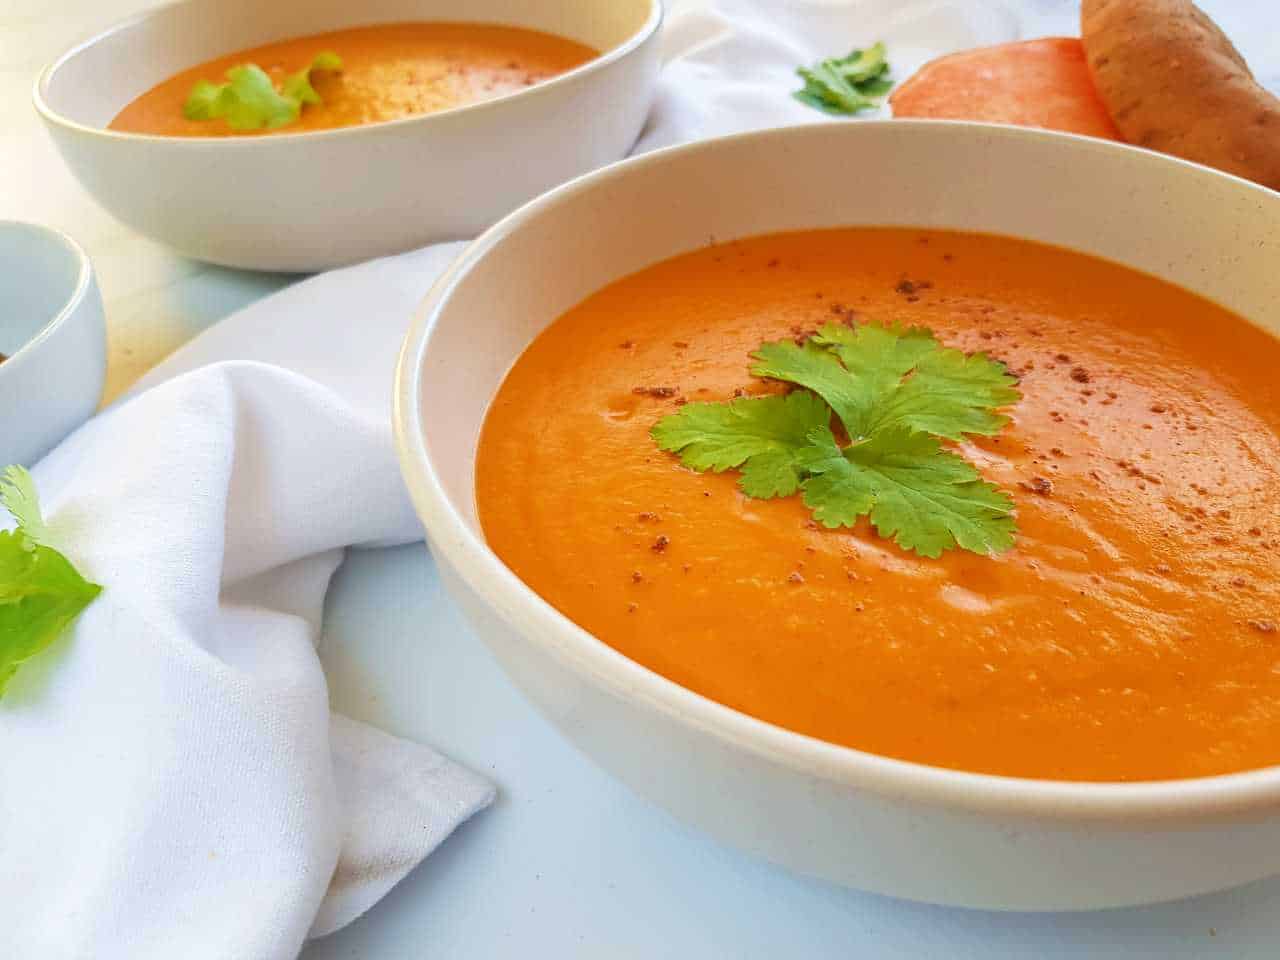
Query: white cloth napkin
[172, 784]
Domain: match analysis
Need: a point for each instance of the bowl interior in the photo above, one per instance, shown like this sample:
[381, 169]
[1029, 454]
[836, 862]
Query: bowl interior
[91, 83]
[1212, 234]
[40, 273]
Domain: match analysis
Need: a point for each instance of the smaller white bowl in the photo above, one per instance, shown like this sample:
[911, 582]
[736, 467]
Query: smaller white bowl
[53, 331]
[313, 200]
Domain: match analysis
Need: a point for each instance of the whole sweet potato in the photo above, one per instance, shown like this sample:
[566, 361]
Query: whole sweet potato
[1172, 81]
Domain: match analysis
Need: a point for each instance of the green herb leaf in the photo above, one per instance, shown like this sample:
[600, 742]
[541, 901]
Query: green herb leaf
[876, 357]
[250, 101]
[898, 393]
[203, 103]
[18, 496]
[860, 371]
[298, 86]
[922, 497]
[41, 593]
[861, 66]
[846, 85]
[761, 436]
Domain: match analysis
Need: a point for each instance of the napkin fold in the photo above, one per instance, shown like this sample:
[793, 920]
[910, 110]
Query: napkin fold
[173, 783]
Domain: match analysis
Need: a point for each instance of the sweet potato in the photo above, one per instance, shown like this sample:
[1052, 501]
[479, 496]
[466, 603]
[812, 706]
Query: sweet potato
[1173, 82]
[1030, 83]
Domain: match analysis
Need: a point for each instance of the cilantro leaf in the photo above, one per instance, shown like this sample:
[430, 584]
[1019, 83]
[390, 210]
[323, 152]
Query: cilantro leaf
[948, 393]
[812, 366]
[249, 100]
[899, 394]
[298, 86]
[877, 378]
[761, 435]
[861, 66]
[846, 85]
[203, 102]
[922, 497]
[877, 357]
[825, 89]
[18, 496]
[41, 593]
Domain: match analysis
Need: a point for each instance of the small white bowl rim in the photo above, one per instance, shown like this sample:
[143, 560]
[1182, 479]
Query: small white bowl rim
[1186, 800]
[637, 39]
[84, 277]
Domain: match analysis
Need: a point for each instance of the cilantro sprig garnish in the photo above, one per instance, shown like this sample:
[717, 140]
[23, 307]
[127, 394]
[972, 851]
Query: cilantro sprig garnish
[898, 394]
[41, 593]
[249, 100]
[846, 85]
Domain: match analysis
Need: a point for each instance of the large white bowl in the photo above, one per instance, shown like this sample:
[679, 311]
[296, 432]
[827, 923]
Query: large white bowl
[308, 201]
[863, 820]
[54, 333]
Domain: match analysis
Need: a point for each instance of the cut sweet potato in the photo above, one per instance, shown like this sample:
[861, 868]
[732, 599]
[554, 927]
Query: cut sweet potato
[1175, 83]
[1029, 83]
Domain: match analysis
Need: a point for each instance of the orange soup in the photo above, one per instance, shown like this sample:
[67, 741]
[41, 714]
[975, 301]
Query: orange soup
[1129, 634]
[389, 72]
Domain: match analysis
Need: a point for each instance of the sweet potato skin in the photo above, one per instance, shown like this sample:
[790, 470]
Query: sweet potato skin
[1030, 83]
[1174, 82]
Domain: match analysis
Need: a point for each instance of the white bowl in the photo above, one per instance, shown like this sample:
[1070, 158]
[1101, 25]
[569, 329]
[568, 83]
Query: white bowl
[54, 333]
[313, 200]
[859, 819]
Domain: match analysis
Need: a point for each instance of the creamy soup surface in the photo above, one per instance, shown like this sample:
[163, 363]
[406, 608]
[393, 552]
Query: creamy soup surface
[389, 72]
[1130, 634]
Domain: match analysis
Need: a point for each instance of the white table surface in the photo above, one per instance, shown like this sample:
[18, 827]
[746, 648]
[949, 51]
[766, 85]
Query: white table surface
[567, 863]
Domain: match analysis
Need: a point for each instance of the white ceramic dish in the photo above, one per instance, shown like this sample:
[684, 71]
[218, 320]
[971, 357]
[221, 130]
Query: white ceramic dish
[54, 333]
[863, 820]
[310, 201]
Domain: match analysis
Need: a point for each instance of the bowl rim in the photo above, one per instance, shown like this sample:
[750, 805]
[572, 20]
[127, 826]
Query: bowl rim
[83, 282]
[1195, 799]
[634, 42]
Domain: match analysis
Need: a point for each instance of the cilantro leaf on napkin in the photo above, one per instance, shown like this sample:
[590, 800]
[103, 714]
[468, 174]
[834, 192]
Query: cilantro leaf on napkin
[41, 593]
[249, 100]
[846, 85]
[18, 496]
[898, 393]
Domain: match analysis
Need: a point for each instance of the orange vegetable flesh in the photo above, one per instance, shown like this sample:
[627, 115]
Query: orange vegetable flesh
[390, 71]
[1030, 83]
[1131, 633]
